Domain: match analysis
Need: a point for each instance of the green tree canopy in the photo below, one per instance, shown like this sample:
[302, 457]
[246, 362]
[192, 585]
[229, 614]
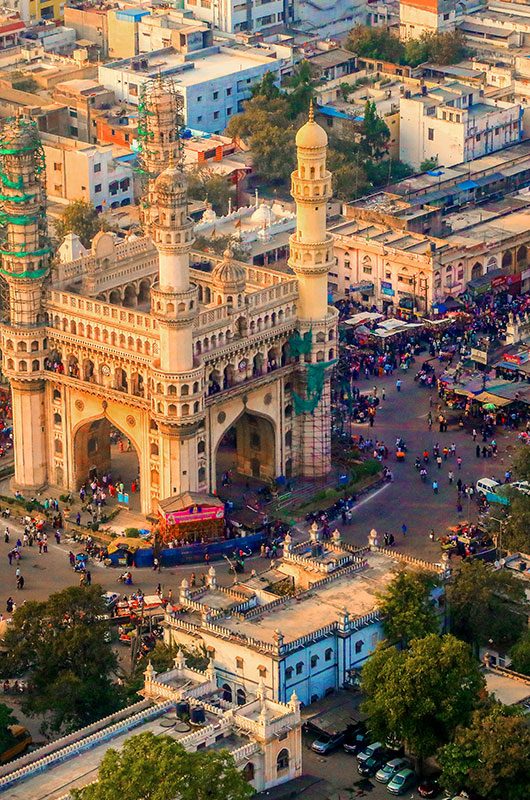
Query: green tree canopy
[428, 164]
[302, 89]
[374, 133]
[266, 87]
[6, 720]
[61, 645]
[520, 654]
[153, 767]
[420, 695]
[407, 607]
[491, 757]
[81, 217]
[486, 604]
[205, 184]
[375, 43]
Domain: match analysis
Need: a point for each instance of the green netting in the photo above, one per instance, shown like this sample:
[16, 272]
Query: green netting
[16, 198]
[19, 219]
[18, 184]
[300, 345]
[316, 375]
[22, 253]
[38, 273]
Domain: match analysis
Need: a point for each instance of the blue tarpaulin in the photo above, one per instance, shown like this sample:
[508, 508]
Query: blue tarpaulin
[465, 185]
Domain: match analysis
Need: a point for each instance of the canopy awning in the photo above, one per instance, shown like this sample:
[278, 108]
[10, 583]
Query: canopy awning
[487, 397]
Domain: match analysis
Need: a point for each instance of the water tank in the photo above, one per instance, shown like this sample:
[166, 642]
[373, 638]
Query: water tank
[197, 716]
[183, 710]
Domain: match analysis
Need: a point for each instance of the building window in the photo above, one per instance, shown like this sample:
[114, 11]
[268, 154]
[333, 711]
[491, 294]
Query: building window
[229, 91]
[314, 661]
[216, 95]
[328, 655]
[282, 760]
[367, 270]
[216, 115]
[229, 111]
[97, 167]
[97, 187]
[73, 131]
[262, 672]
[299, 667]
[239, 663]
[58, 167]
[199, 98]
[289, 673]
[72, 113]
[359, 646]
[431, 134]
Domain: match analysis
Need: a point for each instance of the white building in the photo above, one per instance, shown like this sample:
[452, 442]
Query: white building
[263, 736]
[213, 82]
[93, 172]
[233, 16]
[455, 123]
[417, 17]
[305, 625]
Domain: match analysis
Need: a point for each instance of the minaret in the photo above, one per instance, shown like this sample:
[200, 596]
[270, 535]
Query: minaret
[311, 258]
[178, 384]
[25, 266]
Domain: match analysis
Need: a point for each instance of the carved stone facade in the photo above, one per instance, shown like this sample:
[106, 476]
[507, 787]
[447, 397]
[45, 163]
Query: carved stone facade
[170, 354]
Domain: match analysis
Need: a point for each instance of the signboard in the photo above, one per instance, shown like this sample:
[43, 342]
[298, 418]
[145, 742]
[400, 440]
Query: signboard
[195, 514]
[480, 356]
[362, 287]
[516, 358]
[386, 285]
[499, 281]
[390, 292]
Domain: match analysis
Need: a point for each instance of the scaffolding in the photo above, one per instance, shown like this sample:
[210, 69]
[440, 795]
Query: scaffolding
[160, 121]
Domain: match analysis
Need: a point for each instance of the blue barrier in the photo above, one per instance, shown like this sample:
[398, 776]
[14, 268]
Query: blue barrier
[193, 553]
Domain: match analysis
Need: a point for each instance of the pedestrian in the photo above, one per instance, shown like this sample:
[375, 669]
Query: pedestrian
[459, 462]
[404, 529]
[9, 605]
[451, 476]
[159, 590]
[383, 394]
[459, 507]
[439, 462]
[6, 536]
[431, 534]
[398, 385]
[88, 578]
[435, 487]
[477, 451]
[20, 582]
[78, 518]
[155, 564]
[474, 434]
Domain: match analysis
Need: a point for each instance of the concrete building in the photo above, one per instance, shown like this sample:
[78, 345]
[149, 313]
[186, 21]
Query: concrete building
[211, 356]
[90, 23]
[417, 17]
[11, 27]
[455, 123]
[137, 30]
[80, 171]
[262, 735]
[232, 16]
[83, 99]
[213, 83]
[306, 625]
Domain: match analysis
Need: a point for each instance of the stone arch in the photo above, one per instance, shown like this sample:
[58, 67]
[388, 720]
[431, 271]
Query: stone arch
[507, 259]
[144, 291]
[476, 270]
[130, 298]
[254, 436]
[115, 297]
[522, 257]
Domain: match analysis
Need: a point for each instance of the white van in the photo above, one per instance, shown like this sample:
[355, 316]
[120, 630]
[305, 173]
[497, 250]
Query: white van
[486, 485]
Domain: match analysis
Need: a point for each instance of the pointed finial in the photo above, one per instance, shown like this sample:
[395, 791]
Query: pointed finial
[311, 111]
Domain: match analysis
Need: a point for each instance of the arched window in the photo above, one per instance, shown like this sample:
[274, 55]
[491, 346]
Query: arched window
[58, 446]
[185, 410]
[359, 646]
[241, 697]
[227, 692]
[154, 449]
[185, 389]
[248, 772]
[35, 365]
[289, 672]
[22, 347]
[201, 475]
[57, 419]
[314, 661]
[282, 760]
[328, 655]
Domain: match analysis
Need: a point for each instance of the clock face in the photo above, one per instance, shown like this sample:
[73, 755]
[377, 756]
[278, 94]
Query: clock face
[105, 370]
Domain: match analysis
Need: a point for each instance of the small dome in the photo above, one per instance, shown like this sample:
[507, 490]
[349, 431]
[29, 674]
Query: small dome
[263, 215]
[209, 215]
[229, 275]
[311, 135]
[171, 180]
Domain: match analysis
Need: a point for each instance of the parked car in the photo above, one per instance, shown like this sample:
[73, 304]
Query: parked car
[521, 486]
[401, 782]
[356, 742]
[375, 749]
[389, 769]
[369, 767]
[486, 486]
[430, 788]
[327, 743]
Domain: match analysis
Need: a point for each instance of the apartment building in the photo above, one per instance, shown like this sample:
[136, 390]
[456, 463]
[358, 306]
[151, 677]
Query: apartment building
[417, 17]
[454, 123]
[233, 16]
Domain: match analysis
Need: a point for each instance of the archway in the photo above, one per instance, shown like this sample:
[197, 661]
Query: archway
[246, 453]
[103, 452]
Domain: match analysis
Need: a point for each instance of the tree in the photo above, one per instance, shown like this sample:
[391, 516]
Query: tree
[81, 217]
[420, 695]
[205, 184]
[417, 51]
[447, 48]
[61, 645]
[219, 243]
[491, 757]
[153, 767]
[520, 654]
[266, 87]
[6, 720]
[407, 608]
[428, 164]
[302, 83]
[374, 133]
[376, 43]
[486, 605]
[274, 152]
